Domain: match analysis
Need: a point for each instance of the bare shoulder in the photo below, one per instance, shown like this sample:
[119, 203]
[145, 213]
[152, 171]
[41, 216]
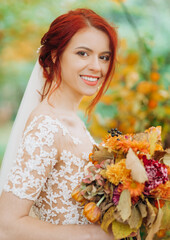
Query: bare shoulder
[40, 112]
[42, 122]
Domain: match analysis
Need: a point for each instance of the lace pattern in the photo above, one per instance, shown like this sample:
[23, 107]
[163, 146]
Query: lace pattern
[47, 177]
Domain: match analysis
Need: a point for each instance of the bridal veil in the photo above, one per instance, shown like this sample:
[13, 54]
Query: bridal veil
[29, 101]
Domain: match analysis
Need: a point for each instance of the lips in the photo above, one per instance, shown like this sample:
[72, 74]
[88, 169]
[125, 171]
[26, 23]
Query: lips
[90, 80]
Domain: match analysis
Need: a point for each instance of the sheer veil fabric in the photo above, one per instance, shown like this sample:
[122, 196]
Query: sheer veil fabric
[30, 100]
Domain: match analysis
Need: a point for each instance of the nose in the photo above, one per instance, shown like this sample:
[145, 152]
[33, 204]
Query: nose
[94, 64]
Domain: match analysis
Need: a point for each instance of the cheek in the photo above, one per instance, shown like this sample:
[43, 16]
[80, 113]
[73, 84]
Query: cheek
[105, 69]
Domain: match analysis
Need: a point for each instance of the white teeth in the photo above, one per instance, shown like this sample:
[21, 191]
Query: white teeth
[91, 79]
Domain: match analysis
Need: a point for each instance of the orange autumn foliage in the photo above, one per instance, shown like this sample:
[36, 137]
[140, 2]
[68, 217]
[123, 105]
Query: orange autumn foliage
[154, 76]
[152, 104]
[161, 233]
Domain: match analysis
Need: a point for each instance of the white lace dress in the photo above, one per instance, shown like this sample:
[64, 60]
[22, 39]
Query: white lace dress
[45, 175]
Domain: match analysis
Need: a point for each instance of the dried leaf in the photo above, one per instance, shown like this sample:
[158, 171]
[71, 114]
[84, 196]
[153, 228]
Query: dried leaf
[159, 154]
[166, 158]
[152, 141]
[124, 205]
[103, 173]
[106, 187]
[108, 218]
[121, 230]
[167, 150]
[111, 192]
[151, 214]
[165, 223]
[117, 216]
[140, 137]
[135, 219]
[156, 225]
[137, 169]
[142, 209]
[101, 153]
[107, 206]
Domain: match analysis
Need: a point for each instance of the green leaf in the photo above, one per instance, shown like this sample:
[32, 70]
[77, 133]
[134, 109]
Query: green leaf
[124, 205]
[107, 111]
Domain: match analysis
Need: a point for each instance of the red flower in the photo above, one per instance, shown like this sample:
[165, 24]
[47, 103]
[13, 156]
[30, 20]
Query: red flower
[157, 174]
[116, 194]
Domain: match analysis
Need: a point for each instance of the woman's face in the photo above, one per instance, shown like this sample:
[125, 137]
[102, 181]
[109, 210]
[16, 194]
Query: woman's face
[85, 61]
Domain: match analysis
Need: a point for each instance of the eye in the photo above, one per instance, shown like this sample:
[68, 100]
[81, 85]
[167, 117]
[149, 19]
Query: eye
[82, 53]
[105, 57]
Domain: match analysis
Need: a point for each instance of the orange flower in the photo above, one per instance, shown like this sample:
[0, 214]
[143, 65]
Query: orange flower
[154, 76]
[162, 191]
[152, 104]
[141, 146]
[123, 144]
[144, 87]
[154, 87]
[76, 195]
[168, 170]
[158, 147]
[161, 233]
[92, 212]
[118, 172]
[90, 158]
[161, 203]
[134, 188]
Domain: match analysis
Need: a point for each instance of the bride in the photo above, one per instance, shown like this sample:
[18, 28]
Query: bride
[77, 58]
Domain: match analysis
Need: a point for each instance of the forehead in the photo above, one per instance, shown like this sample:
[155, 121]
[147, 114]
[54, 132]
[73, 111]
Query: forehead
[90, 37]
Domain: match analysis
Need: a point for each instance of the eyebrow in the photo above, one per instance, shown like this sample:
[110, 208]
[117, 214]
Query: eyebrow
[90, 50]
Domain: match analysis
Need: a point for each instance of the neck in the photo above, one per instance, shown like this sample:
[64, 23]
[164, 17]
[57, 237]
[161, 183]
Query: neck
[64, 100]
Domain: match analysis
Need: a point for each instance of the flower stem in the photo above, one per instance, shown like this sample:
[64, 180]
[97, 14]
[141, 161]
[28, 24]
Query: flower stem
[100, 201]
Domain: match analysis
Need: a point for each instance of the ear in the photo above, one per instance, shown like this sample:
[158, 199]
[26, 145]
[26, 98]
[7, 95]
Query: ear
[54, 55]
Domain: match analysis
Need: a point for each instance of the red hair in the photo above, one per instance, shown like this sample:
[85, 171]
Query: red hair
[61, 30]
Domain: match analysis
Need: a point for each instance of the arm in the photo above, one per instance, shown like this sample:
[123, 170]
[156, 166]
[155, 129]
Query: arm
[15, 224]
[36, 157]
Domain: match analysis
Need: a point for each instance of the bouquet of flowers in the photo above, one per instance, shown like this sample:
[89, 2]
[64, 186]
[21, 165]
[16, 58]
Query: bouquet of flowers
[126, 184]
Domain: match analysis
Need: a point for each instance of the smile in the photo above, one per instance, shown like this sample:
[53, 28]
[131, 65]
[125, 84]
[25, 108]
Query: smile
[90, 80]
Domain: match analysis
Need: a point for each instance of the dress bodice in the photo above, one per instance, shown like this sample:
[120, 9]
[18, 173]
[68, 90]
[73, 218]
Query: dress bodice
[49, 165]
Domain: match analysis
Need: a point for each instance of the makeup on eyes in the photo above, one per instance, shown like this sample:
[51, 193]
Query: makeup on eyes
[105, 57]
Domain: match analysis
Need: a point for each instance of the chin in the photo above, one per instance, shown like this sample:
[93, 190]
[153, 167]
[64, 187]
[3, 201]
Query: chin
[90, 93]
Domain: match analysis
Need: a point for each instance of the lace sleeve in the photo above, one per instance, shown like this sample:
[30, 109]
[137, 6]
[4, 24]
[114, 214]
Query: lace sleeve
[37, 155]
